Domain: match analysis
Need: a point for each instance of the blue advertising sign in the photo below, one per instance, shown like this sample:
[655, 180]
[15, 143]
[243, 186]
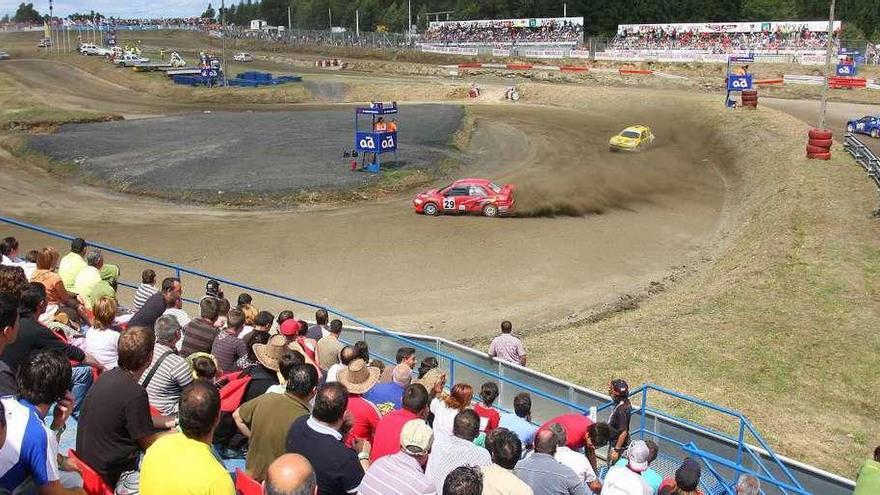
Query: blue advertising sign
[846, 70]
[375, 142]
[739, 83]
[209, 73]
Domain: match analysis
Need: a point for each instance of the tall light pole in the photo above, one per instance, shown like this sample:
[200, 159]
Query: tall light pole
[223, 39]
[409, 17]
[829, 53]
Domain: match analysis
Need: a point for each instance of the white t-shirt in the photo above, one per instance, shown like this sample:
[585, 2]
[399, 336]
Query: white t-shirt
[621, 481]
[333, 371]
[577, 462]
[102, 345]
[444, 417]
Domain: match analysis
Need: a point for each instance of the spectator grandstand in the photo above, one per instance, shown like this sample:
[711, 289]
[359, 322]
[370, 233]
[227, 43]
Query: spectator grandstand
[549, 31]
[721, 38]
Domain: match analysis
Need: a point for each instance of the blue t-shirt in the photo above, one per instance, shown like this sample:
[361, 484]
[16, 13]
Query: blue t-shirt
[523, 429]
[651, 477]
[30, 451]
[385, 393]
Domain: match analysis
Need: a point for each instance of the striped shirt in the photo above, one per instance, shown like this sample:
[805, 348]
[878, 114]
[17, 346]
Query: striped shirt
[228, 349]
[31, 450]
[144, 291]
[400, 474]
[198, 336]
[449, 453]
[167, 384]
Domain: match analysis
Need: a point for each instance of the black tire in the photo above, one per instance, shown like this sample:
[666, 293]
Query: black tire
[430, 209]
[874, 133]
[490, 211]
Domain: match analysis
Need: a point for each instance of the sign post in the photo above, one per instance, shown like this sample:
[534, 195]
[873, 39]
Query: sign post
[379, 139]
[738, 82]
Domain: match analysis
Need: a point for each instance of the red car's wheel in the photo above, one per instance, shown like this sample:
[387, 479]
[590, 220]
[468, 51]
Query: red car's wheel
[430, 209]
[490, 211]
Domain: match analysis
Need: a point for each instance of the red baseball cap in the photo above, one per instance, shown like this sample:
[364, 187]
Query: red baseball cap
[290, 328]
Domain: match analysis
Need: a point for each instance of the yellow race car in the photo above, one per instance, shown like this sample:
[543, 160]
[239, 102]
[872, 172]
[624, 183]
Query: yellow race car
[632, 138]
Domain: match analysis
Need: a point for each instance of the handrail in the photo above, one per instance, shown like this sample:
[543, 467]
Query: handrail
[864, 156]
[692, 449]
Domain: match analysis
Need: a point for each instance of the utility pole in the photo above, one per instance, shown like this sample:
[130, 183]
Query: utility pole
[829, 53]
[288, 20]
[357, 22]
[565, 10]
[330, 16]
[409, 17]
[51, 29]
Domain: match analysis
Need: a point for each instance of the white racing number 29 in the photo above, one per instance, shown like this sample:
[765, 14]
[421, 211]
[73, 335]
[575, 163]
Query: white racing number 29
[448, 203]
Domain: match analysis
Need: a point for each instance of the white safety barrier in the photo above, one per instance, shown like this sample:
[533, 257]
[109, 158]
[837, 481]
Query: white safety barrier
[804, 80]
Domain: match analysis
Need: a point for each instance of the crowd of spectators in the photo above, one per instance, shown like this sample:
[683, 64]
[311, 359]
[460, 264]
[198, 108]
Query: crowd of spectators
[504, 32]
[672, 39]
[161, 406]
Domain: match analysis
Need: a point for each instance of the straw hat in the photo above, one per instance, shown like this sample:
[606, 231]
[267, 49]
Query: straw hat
[431, 378]
[269, 354]
[358, 378]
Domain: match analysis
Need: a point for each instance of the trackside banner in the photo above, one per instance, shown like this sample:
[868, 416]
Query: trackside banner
[521, 23]
[535, 53]
[673, 56]
[730, 27]
[500, 52]
[450, 50]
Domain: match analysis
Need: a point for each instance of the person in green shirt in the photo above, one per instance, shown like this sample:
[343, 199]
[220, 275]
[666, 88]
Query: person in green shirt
[868, 482]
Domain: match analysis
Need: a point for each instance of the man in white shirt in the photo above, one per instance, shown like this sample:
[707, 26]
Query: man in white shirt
[457, 450]
[575, 460]
[627, 480]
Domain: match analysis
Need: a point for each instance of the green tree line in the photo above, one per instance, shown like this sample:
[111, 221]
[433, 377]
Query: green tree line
[601, 17]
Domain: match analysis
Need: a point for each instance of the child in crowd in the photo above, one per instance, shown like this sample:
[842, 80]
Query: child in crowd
[146, 289]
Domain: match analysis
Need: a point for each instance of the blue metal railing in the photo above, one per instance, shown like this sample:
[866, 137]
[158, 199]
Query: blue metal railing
[791, 484]
[645, 413]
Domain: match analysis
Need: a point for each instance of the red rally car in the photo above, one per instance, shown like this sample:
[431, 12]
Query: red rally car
[467, 196]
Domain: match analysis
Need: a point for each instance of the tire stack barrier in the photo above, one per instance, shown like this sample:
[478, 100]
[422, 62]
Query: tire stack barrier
[334, 62]
[750, 99]
[819, 145]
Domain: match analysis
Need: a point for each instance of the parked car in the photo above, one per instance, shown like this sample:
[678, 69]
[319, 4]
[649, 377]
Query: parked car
[130, 60]
[243, 57]
[463, 196]
[4, 56]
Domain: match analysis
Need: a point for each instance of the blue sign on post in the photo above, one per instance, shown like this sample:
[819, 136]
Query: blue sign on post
[376, 142]
[739, 83]
[209, 73]
[846, 70]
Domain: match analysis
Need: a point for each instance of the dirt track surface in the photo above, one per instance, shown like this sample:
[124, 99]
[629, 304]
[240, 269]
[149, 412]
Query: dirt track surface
[450, 276]
[250, 152]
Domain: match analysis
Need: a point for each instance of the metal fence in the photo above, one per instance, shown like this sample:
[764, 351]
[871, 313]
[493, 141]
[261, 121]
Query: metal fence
[724, 454]
[865, 157]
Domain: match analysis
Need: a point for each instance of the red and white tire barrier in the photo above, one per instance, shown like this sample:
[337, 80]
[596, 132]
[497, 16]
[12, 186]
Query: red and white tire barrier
[819, 145]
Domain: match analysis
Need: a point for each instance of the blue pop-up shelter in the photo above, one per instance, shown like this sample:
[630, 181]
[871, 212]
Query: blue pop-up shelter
[374, 142]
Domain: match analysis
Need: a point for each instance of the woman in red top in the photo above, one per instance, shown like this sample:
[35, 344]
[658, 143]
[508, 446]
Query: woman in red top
[489, 416]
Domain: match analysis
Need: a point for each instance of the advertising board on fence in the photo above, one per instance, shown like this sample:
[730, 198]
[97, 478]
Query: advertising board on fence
[579, 53]
[450, 50]
[520, 23]
[673, 56]
[535, 53]
[730, 27]
[500, 52]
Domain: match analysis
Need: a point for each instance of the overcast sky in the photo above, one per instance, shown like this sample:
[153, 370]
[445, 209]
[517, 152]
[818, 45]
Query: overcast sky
[116, 8]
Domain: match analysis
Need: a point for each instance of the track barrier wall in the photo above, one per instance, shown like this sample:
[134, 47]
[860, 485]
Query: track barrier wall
[725, 451]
